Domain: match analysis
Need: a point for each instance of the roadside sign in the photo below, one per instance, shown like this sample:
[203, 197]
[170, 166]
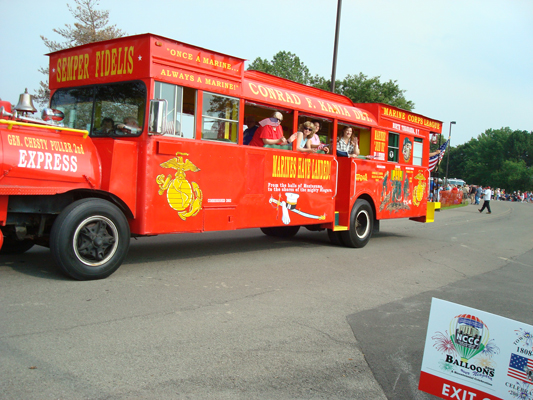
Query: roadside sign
[474, 355]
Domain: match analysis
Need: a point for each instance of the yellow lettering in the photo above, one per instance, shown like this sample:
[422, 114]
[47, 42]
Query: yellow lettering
[263, 91]
[64, 69]
[280, 95]
[58, 69]
[69, 69]
[272, 93]
[119, 64]
[107, 66]
[113, 61]
[289, 98]
[253, 88]
[130, 60]
[74, 67]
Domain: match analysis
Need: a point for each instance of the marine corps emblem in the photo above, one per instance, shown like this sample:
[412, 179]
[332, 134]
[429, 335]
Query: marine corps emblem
[183, 196]
[420, 189]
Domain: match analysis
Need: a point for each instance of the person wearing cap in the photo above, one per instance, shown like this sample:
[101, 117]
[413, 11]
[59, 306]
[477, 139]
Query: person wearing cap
[270, 131]
[486, 200]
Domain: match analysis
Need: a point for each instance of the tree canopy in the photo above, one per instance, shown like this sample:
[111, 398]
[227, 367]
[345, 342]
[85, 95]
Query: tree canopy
[498, 157]
[359, 88]
[285, 65]
[92, 26]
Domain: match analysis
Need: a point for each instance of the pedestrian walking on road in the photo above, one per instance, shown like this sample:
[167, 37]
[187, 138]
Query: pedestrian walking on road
[478, 194]
[486, 200]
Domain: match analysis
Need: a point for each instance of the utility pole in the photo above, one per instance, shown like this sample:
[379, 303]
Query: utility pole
[337, 28]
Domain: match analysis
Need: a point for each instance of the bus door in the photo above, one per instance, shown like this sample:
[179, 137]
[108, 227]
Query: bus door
[199, 179]
[355, 171]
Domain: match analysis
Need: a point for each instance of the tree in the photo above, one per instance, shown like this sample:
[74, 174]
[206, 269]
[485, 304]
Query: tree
[362, 89]
[285, 65]
[498, 157]
[92, 26]
[359, 88]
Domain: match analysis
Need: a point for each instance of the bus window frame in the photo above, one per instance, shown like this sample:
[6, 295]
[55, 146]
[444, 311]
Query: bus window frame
[389, 147]
[182, 97]
[237, 121]
[312, 118]
[143, 109]
[420, 142]
[351, 125]
[286, 112]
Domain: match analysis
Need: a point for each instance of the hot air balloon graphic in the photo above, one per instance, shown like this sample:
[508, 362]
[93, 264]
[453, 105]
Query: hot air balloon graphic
[469, 335]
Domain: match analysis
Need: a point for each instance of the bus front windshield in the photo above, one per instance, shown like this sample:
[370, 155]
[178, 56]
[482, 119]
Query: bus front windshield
[104, 110]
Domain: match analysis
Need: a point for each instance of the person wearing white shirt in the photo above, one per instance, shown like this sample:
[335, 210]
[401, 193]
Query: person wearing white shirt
[486, 200]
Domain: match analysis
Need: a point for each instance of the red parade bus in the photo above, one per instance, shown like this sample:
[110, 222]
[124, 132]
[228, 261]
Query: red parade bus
[152, 143]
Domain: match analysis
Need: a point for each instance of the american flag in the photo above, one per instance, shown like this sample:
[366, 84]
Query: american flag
[434, 160]
[521, 368]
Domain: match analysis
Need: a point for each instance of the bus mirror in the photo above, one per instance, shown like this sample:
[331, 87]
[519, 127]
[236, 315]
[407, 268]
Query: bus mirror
[158, 110]
[49, 114]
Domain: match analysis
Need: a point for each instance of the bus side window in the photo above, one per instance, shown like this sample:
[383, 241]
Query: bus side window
[220, 118]
[181, 110]
[253, 111]
[417, 151]
[394, 147]
[364, 141]
[324, 133]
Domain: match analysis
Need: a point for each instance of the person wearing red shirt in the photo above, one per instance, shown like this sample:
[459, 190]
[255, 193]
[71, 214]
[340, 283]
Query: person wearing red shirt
[269, 132]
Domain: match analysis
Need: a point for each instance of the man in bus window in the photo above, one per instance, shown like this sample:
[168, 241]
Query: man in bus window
[130, 126]
[252, 126]
[107, 126]
[270, 131]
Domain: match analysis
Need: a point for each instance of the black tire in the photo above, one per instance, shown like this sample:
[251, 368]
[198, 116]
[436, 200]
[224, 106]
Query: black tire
[90, 239]
[13, 246]
[267, 231]
[281, 231]
[335, 237]
[361, 225]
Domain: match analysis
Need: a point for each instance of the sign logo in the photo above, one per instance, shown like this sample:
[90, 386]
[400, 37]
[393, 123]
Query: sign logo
[183, 196]
[469, 335]
[420, 189]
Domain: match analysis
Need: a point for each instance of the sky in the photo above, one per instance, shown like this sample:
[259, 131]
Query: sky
[469, 61]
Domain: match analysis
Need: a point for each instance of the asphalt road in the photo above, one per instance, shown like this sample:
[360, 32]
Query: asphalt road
[237, 315]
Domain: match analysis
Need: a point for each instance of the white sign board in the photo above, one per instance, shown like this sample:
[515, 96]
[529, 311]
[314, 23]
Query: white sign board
[474, 355]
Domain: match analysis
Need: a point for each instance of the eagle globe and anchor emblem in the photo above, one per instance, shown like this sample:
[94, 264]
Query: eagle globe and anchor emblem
[183, 196]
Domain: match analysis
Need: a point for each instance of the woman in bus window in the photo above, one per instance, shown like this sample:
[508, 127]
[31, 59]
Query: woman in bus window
[303, 137]
[348, 144]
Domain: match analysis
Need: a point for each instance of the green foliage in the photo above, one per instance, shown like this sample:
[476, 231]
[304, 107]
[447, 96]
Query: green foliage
[359, 88]
[498, 157]
[362, 89]
[92, 26]
[285, 65]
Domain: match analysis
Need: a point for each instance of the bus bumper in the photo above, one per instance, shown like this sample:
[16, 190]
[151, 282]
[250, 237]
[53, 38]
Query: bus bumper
[430, 213]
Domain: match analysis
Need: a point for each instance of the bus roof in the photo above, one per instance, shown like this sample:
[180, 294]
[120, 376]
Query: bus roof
[149, 56]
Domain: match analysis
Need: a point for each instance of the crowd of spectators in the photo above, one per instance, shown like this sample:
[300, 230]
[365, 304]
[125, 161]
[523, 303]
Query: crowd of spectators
[474, 193]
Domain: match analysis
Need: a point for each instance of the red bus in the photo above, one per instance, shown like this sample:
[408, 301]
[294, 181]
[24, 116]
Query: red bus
[152, 143]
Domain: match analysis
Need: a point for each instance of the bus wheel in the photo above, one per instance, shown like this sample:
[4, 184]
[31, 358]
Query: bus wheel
[14, 246]
[335, 237]
[361, 225]
[281, 231]
[90, 239]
